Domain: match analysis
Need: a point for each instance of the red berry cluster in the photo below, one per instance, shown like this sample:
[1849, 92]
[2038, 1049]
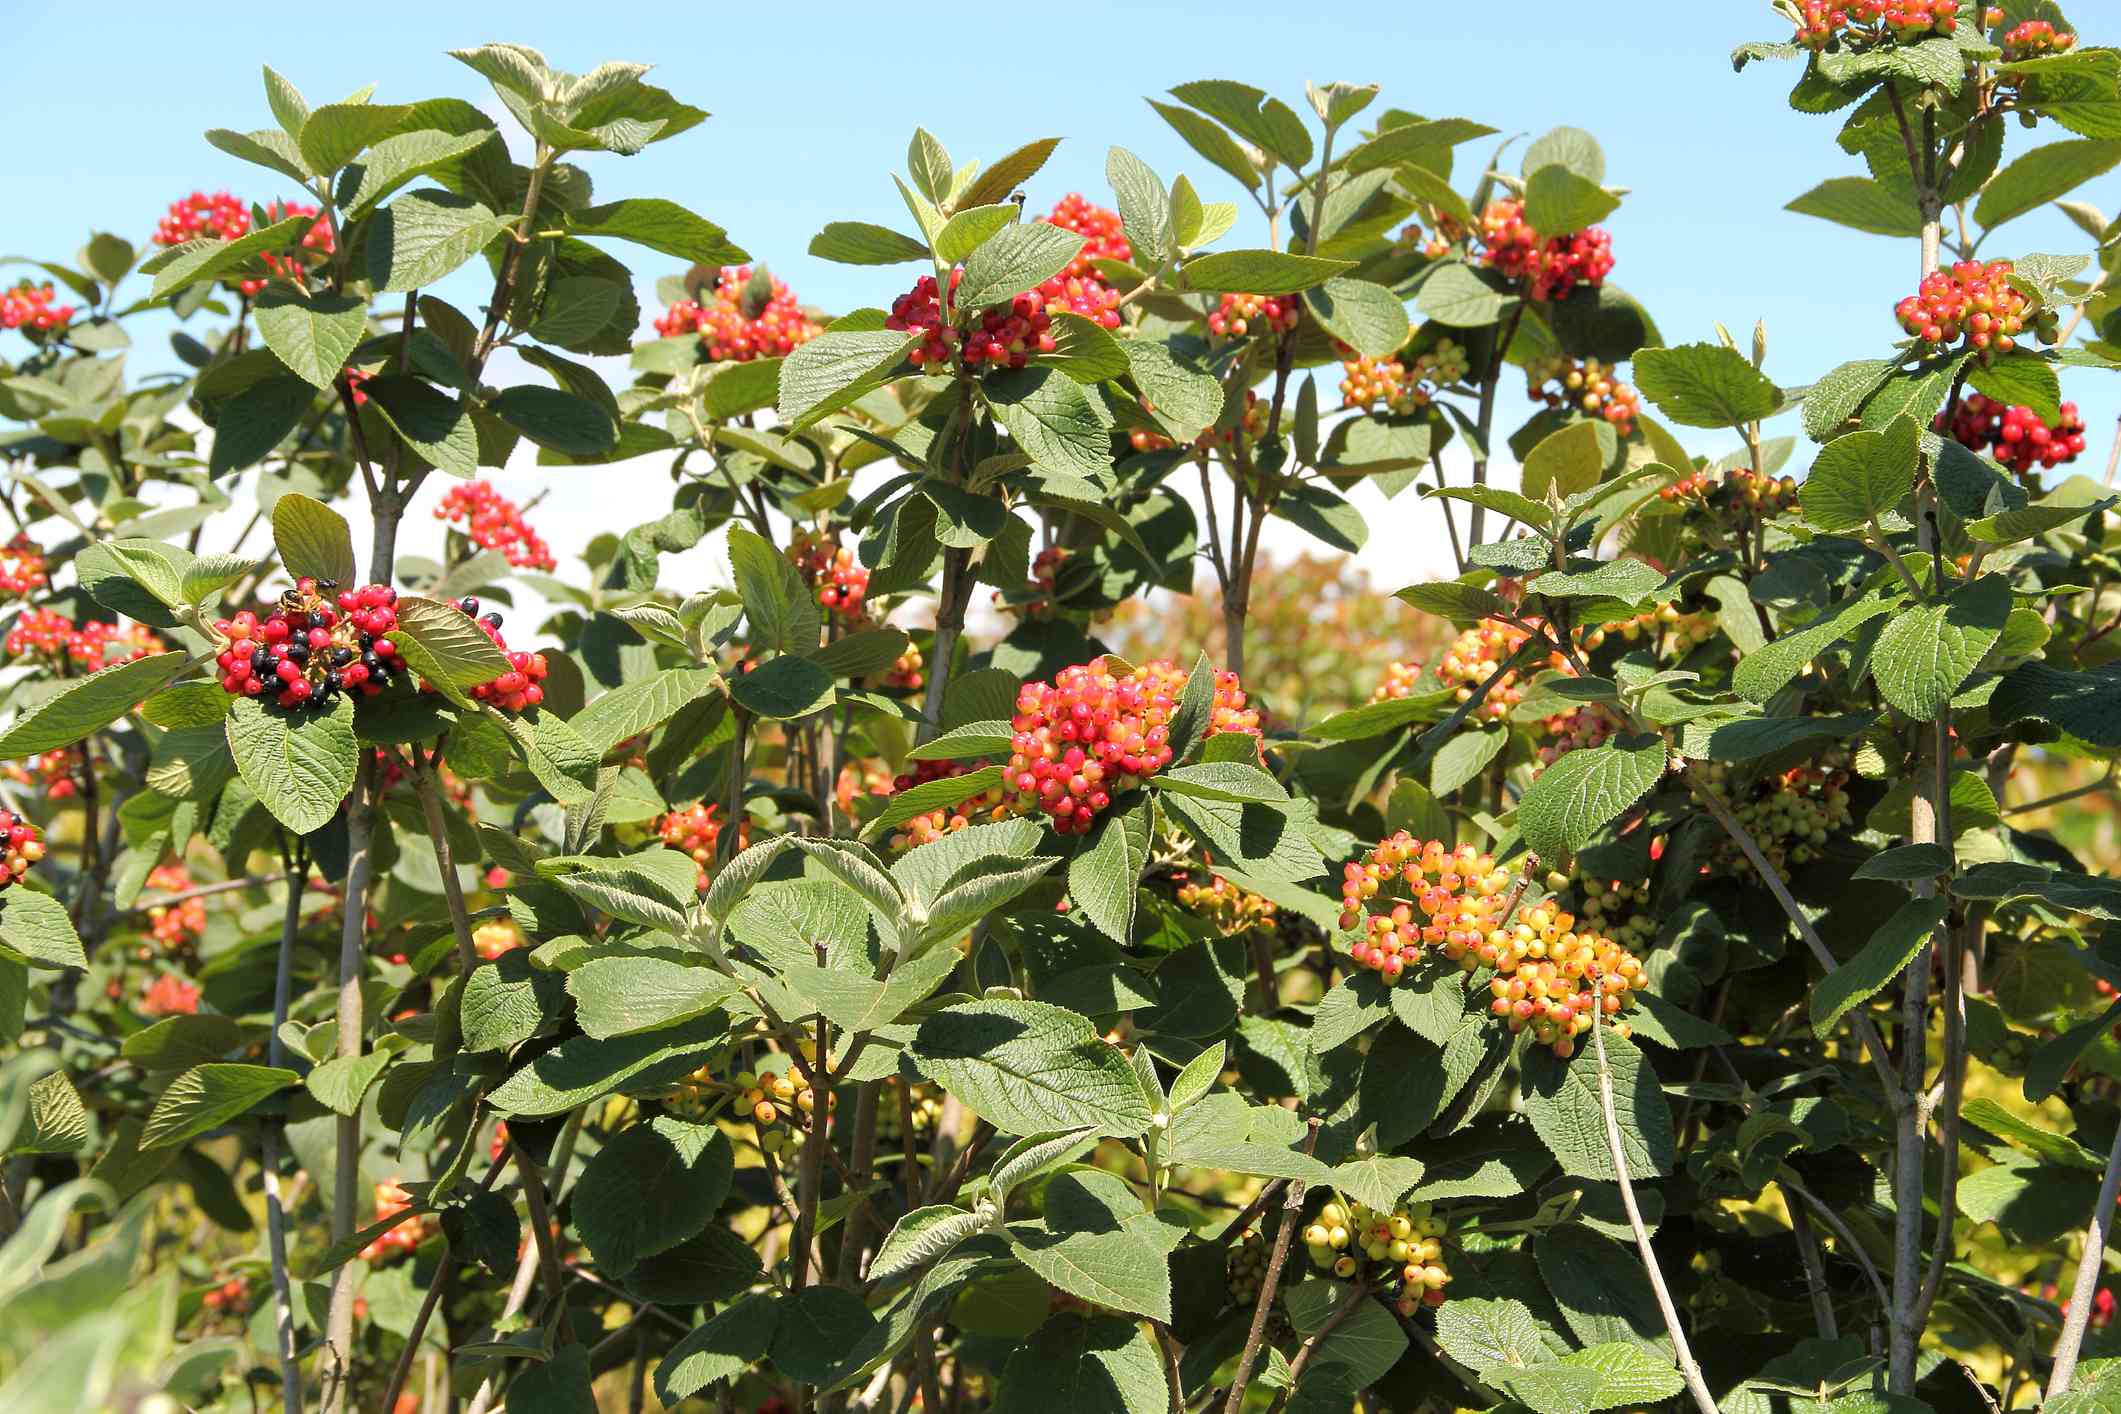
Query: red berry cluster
[176, 926]
[1400, 680]
[1430, 896]
[1092, 733]
[1475, 654]
[231, 1297]
[1976, 302]
[1240, 316]
[904, 673]
[312, 647]
[1554, 979]
[1819, 22]
[1045, 577]
[832, 571]
[493, 522]
[22, 567]
[392, 1200]
[317, 240]
[2017, 435]
[745, 316]
[30, 306]
[1104, 236]
[24, 844]
[1549, 266]
[521, 687]
[693, 829]
[1587, 386]
[1008, 336]
[171, 994]
[66, 645]
[219, 217]
[2035, 38]
[1084, 295]
[56, 772]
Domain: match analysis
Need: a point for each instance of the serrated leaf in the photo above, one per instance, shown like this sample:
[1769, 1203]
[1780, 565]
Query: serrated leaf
[1925, 655]
[1881, 960]
[1561, 1100]
[86, 705]
[1262, 272]
[1584, 791]
[649, 1188]
[313, 334]
[1026, 1067]
[423, 235]
[300, 766]
[1705, 385]
[313, 539]
[208, 1096]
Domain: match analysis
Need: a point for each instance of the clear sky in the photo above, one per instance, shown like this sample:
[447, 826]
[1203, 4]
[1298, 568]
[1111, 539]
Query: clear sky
[813, 104]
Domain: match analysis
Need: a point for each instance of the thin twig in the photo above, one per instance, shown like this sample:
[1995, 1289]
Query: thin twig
[275, 1209]
[1814, 1272]
[1351, 1302]
[2079, 1312]
[1291, 1208]
[1840, 1230]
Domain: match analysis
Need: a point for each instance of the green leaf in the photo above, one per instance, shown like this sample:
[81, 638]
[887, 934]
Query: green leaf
[335, 134]
[1052, 420]
[783, 614]
[1491, 1337]
[429, 421]
[1001, 179]
[2022, 378]
[1014, 259]
[861, 243]
[1144, 207]
[1086, 1246]
[1464, 604]
[1926, 654]
[1561, 1100]
[313, 539]
[783, 689]
[1568, 461]
[506, 1001]
[396, 160]
[1861, 477]
[835, 369]
[1705, 385]
[583, 1067]
[632, 708]
[1377, 1180]
[1572, 148]
[187, 264]
[1259, 272]
[1834, 399]
[423, 235]
[1456, 296]
[312, 334]
[1763, 672]
[208, 1096]
[966, 231]
[449, 645]
[1266, 123]
[1906, 862]
[299, 766]
[1026, 1068]
[1360, 313]
[557, 421]
[273, 151]
[339, 1083]
[731, 1342]
[1185, 396]
[1084, 351]
[649, 1188]
[56, 1122]
[1585, 791]
[1873, 969]
[1360, 1349]
[617, 996]
[1104, 877]
[2086, 705]
[659, 225]
[1558, 201]
[1080, 1364]
[1882, 208]
[1601, 1289]
[255, 421]
[86, 705]
[35, 929]
[1211, 142]
[2042, 175]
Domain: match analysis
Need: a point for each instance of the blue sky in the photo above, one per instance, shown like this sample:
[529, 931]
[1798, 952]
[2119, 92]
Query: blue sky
[813, 104]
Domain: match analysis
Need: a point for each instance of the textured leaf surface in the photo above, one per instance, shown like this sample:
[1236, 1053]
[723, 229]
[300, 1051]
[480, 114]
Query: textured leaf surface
[1026, 1067]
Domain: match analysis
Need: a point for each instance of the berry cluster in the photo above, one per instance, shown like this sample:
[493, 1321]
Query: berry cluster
[1740, 493]
[1409, 1239]
[1434, 247]
[493, 522]
[1573, 730]
[29, 306]
[1092, 733]
[1976, 302]
[22, 568]
[1231, 911]
[1104, 236]
[1368, 383]
[831, 570]
[392, 1200]
[2016, 435]
[1240, 316]
[1588, 386]
[924, 829]
[1429, 895]
[171, 994]
[1475, 655]
[904, 674]
[219, 217]
[1400, 679]
[1790, 813]
[2035, 38]
[57, 772]
[496, 936]
[1614, 908]
[924, 1106]
[317, 240]
[747, 315]
[231, 1298]
[312, 647]
[1674, 631]
[176, 926]
[521, 687]
[1045, 578]
[24, 843]
[1864, 22]
[1008, 335]
[66, 645]
[693, 829]
[1549, 266]
[1082, 295]
[1555, 980]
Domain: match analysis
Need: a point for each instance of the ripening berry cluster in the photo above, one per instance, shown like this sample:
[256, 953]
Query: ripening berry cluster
[693, 829]
[1475, 655]
[1553, 979]
[1045, 577]
[523, 685]
[220, 217]
[1667, 626]
[1008, 335]
[1400, 680]
[1231, 911]
[1739, 493]
[1549, 266]
[171, 994]
[2016, 435]
[496, 936]
[1587, 386]
[1790, 813]
[493, 522]
[1616, 908]
[29, 306]
[176, 926]
[1408, 895]
[318, 642]
[1821, 22]
[1434, 247]
[1976, 302]
[1368, 383]
[1091, 734]
[1083, 295]
[230, 1298]
[1240, 316]
[742, 318]
[1409, 1240]
[24, 843]
[66, 645]
[22, 568]
[1104, 236]
[392, 1200]
[904, 674]
[1573, 730]
[831, 570]
[925, 829]
[2035, 38]
[55, 772]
